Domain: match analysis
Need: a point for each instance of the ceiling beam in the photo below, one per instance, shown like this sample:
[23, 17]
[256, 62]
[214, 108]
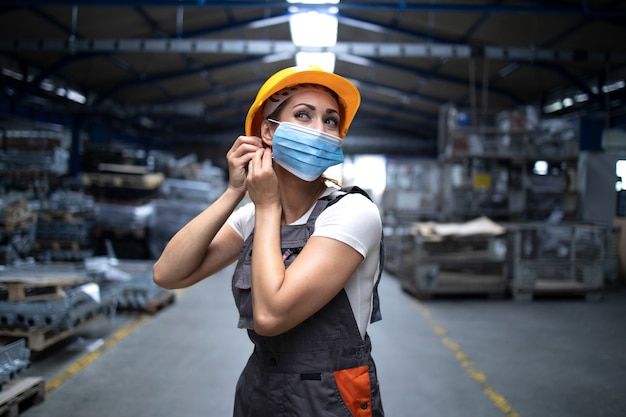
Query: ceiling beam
[264, 47]
[543, 8]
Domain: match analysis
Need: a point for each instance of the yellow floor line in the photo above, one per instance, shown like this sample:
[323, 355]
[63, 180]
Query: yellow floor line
[92, 356]
[497, 399]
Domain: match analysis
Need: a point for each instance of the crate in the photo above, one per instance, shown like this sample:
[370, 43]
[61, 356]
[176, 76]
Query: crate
[452, 261]
[558, 259]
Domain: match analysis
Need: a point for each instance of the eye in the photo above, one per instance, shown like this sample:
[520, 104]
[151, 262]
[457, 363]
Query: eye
[332, 121]
[302, 115]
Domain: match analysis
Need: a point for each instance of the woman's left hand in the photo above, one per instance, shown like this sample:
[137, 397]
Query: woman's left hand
[262, 181]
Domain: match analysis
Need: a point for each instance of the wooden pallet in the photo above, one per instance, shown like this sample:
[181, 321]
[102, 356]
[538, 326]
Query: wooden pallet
[133, 181]
[159, 302]
[65, 216]
[20, 223]
[40, 338]
[31, 285]
[17, 211]
[41, 245]
[20, 394]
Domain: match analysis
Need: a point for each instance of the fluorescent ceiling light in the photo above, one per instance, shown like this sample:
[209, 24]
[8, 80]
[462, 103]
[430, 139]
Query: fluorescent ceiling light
[620, 168]
[46, 85]
[607, 88]
[313, 29]
[324, 60]
[12, 74]
[76, 96]
[581, 97]
[620, 171]
[313, 1]
[551, 108]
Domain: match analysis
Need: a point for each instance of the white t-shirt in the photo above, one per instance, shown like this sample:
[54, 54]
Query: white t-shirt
[355, 221]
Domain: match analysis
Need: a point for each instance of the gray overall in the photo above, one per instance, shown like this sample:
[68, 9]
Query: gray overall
[321, 367]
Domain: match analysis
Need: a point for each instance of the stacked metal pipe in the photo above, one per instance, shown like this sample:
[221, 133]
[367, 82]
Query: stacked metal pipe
[14, 359]
[137, 287]
[79, 304]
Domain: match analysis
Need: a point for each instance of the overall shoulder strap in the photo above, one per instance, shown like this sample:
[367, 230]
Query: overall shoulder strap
[333, 198]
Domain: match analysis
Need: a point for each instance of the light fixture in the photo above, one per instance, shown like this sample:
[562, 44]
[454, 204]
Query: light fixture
[76, 96]
[608, 88]
[553, 107]
[324, 60]
[540, 168]
[581, 97]
[313, 29]
[620, 171]
[312, 1]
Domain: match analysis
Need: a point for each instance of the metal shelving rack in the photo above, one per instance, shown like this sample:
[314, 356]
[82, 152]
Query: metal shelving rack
[486, 162]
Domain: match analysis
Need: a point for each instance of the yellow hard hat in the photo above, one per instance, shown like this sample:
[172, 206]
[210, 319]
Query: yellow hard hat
[349, 96]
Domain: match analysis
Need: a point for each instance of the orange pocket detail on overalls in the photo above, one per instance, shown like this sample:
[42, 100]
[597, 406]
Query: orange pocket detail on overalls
[355, 389]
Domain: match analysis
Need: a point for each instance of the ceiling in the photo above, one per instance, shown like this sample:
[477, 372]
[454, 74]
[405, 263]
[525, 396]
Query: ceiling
[167, 73]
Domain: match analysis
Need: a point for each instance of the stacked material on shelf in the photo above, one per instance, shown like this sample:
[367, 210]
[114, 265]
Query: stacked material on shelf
[65, 226]
[122, 186]
[46, 303]
[26, 154]
[122, 219]
[57, 296]
[181, 199]
[120, 175]
[124, 227]
[190, 190]
[18, 224]
[138, 290]
[168, 218]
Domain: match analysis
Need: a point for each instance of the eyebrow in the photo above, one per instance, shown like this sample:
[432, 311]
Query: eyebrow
[328, 111]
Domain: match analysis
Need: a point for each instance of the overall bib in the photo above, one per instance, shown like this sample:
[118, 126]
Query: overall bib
[321, 367]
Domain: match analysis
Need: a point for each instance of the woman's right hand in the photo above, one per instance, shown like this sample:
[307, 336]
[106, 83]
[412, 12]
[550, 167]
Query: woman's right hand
[238, 158]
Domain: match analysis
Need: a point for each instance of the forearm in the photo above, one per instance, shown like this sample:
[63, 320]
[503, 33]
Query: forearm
[188, 248]
[268, 268]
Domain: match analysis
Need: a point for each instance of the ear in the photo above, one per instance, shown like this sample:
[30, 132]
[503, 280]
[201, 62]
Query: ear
[267, 132]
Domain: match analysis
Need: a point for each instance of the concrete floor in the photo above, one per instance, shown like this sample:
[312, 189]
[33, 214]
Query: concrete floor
[448, 357]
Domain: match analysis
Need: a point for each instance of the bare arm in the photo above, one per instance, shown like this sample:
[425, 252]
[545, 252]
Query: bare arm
[284, 297]
[202, 247]
[207, 244]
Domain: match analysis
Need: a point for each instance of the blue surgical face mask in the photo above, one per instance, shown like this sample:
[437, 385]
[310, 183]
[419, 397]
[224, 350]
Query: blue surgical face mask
[303, 151]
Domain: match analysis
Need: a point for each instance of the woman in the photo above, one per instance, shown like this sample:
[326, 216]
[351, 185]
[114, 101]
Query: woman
[309, 292]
